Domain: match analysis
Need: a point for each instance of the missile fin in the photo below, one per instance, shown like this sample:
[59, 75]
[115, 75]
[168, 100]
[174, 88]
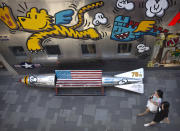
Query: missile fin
[139, 73]
[138, 87]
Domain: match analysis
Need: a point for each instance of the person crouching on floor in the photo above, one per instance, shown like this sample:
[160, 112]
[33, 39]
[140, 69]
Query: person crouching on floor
[161, 115]
[153, 102]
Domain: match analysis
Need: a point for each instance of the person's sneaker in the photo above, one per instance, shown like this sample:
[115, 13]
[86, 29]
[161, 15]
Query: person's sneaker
[165, 122]
[146, 125]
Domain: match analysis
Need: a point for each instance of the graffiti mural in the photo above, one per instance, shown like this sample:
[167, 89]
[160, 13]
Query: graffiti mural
[172, 40]
[143, 51]
[99, 19]
[175, 20]
[41, 24]
[156, 7]
[125, 29]
[171, 56]
[167, 53]
[7, 17]
[176, 52]
[159, 39]
[142, 48]
[124, 4]
[64, 17]
[4, 37]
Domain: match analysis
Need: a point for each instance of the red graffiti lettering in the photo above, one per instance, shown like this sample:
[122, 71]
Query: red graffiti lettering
[176, 40]
[155, 29]
[172, 42]
[160, 29]
[175, 20]
[165, 31]
[133, 24]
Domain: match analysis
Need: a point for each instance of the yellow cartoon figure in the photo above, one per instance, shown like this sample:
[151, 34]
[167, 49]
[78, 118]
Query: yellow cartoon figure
[42, 25]
[35, 21]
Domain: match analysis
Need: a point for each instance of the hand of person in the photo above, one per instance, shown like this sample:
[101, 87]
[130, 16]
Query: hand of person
[151, 97]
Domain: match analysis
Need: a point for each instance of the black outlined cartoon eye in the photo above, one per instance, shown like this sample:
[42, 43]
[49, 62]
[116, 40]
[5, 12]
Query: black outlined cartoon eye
[35, 16]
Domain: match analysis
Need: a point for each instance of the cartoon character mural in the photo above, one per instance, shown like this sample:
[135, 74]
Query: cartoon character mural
[167, 53]
[143, 51]
[176, 53]
[41, 24]
[156, 7]
[142, 48]
[172, 40]
[173, 49]
[99, 18]
[171, 56]
[124, 29]
[124, 4]
[4, 37]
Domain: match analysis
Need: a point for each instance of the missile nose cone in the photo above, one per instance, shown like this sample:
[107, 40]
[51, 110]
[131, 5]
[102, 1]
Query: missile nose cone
[21, 80]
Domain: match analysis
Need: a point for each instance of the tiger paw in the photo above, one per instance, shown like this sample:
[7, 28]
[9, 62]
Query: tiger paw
[93, 34]
[7, 17]
[33, 45]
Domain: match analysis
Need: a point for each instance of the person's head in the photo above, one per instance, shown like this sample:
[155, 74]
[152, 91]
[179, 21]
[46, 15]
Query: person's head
[165, 105]
[159, 93]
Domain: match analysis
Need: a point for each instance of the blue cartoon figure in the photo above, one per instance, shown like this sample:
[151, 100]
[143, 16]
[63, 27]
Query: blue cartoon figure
[126, 30]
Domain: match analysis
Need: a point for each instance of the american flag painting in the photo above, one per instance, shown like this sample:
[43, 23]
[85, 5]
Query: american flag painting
[78, 78]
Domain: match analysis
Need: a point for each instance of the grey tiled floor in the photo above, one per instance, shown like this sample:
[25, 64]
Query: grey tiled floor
[37, 109]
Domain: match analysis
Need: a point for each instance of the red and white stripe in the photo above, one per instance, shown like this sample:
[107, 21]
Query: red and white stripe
[82, 78]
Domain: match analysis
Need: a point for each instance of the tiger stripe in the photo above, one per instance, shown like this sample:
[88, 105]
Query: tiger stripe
[84, 10]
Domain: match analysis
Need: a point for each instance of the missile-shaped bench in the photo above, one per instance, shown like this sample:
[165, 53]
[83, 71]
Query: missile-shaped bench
[132, 80]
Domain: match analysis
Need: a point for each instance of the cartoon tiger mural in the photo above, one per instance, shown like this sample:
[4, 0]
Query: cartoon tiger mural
[42, 26]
